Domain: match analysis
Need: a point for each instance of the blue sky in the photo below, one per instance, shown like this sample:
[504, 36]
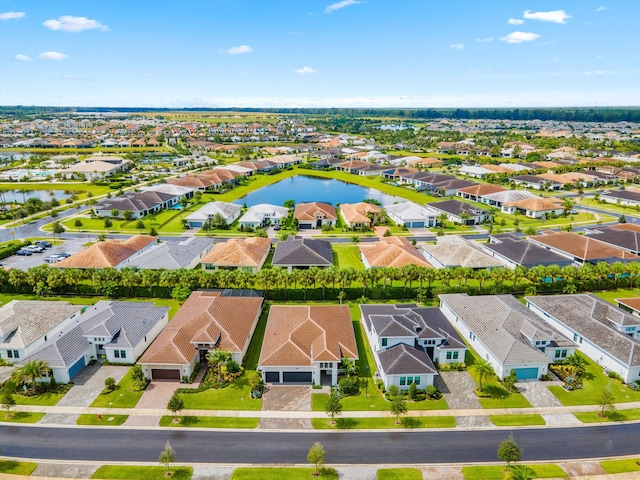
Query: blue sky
[351, 53]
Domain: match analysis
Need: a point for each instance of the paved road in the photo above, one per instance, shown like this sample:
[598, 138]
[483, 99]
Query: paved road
[264, 447]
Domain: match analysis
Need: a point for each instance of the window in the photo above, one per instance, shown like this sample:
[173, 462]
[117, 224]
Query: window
[123, 354]
[455, 355]
[449, 355]
[9, 354]
[416, 380]
[409, 380]
[116, 353]
[403, 380]
[563, 354]
[557, 354]
[384, 342]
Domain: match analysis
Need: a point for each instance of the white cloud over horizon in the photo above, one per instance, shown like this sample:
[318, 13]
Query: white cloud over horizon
[602, 8]
[22, 58]
[457, 46]
[238, 50]
[52, 56]
[304, 71]
[12, 15]
[484, 40]
[515, 21]
[338, 5]
[69, 23]
[554, 16]
[520, 37]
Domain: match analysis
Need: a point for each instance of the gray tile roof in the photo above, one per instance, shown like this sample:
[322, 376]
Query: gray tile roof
[626, 239]
[456, 207]
[497, 321]
[302, 252]
[456, 251]
[133, 320]
[402, 359]
[592, 318]
[525, 253]
[27, 320]
[172, 254]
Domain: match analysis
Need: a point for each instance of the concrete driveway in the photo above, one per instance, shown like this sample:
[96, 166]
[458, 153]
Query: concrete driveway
[458, 390]
[286, 398]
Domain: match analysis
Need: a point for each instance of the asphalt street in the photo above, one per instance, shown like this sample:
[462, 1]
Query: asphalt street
[265, 447]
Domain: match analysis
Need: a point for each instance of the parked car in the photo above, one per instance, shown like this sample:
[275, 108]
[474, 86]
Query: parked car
[34, 249]
[63, 254]
[24, 252]
[53, 258]
[277, 226]
[44, 244]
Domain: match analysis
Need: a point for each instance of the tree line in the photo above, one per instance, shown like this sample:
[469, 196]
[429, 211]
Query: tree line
[334, 284]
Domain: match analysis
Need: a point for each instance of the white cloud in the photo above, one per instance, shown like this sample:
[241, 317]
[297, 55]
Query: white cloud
[520, 37]
[69, 23]
[600, 72]
[457, 46]
[11, 15]
[52, 56]
[515, 21]
[22, 58]
[554, 16]
[304, 71]
[338, 5]
[602, 9]
[484, 40]
[239, 50]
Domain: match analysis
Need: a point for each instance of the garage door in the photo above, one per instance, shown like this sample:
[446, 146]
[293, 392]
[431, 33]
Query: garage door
[79, 365]
[193, 224]
[524, 373]
[417, 225]
[272, 377]
[160, 374]
[304, 226]
[296, 377]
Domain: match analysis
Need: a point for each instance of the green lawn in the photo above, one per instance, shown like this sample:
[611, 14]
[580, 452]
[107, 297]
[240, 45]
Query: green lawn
[124, 396]
[399, 474]
[621, 466]
[130, 472]
[594, 381]
[104, 420]
[253, 352]
[236, 396]
[22, 417]
[345, 256]
[210, 422]
[517, 420]
[17, 468]
[615, 416]
[347, 423]
[44, 399]
[497, 472]
[611, 295]
[279, 473]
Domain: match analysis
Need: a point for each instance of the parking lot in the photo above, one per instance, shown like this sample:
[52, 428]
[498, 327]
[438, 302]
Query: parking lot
[72, 245]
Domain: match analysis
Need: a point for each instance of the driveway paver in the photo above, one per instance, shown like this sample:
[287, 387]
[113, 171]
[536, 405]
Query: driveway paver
[457, 388]
[286, 398]
[537, 393]
[65, 470]
[212, 473]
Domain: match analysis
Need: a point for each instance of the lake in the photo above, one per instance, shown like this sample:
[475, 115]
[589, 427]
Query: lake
[304, 189]
[44, 195]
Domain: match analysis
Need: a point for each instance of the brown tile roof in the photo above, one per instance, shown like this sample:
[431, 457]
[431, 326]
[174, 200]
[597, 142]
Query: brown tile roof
[392, 252]
[632, 303]
[107, 254]
[497, 168]
[192, 181]
[206, 317]
[626, 226]
[308, 211]
[241, 252]
[357, 212]
[581, 246]
[425, 161]
[300, 335]
[536, 204]
[482, 189]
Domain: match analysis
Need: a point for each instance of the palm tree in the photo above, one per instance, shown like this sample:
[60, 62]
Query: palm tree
[520, 472]
[481, 370]
[32, 371]
[217, 358]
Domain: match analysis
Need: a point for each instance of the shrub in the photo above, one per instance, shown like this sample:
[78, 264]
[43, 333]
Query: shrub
[615, 376]
[413, 391]
[110, 384]
[546, 377]
[432, 392]
[348, 386]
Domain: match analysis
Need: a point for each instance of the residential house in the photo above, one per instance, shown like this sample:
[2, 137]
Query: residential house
[208, 320]
[26, 324]
[536, 182]
[506, 333]
[110, 253]
[453, 251]
[393, 252]
[361, 216]
[228, 211]
[629, 197]
[262, 215]
[498, 199]
[534, 207]
[412, 215]
[96, 169]
[118, 332]
[173, 254]
[362, 168]
[246, 254]
[140, 204]
[174, 190]
[302, 253]
[407, 340]
[631, 305]
[461, 212]
[306, 344]
[315, 215]
[606, 334]
[475, 171]
[475, 193]
[625, 238]
[582, 248]
[514, 251]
